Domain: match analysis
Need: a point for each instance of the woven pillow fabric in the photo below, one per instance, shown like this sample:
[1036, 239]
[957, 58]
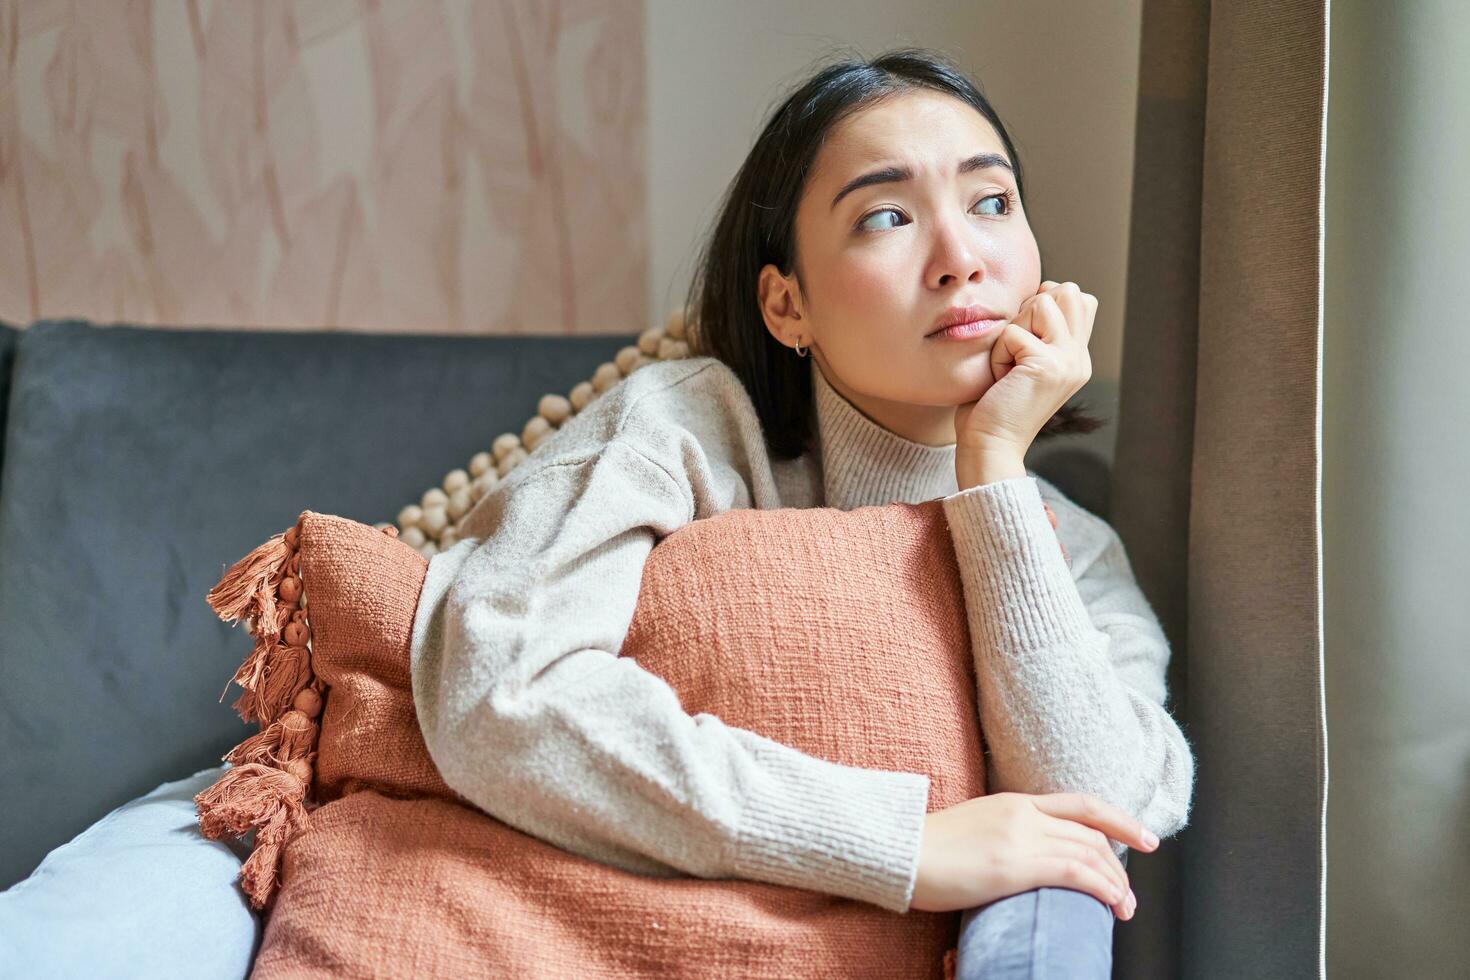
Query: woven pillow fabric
[841, 633]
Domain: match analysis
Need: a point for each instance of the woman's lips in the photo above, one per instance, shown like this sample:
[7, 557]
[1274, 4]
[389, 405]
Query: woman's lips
[968, 331]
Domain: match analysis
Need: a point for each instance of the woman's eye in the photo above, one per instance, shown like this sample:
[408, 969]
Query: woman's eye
[1002, 198]
[864, 225]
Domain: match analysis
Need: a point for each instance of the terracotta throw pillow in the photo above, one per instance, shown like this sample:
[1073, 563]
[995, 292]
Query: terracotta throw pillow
[841, 633]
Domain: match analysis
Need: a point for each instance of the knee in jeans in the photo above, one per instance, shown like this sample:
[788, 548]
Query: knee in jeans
[1043, 932]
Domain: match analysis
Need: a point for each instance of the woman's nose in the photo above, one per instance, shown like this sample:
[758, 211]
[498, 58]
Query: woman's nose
[956, 255]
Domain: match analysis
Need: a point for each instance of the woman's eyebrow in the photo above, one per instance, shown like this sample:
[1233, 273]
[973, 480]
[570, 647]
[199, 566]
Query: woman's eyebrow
[979, 161]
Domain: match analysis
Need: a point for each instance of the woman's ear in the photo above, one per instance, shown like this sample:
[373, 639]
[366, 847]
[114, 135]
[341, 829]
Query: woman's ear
[780, 305]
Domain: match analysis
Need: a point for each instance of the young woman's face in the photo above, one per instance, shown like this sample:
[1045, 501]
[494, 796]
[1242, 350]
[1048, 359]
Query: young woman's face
[883, 262]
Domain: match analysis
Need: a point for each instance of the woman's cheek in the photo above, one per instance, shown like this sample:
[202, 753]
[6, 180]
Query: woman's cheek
[1028, 267]
[868, 283]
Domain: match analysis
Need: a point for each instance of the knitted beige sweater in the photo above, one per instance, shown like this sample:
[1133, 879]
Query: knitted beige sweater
[516, 620]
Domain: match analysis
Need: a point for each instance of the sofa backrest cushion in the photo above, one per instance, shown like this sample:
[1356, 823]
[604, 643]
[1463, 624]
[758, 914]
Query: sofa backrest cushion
[139, 462]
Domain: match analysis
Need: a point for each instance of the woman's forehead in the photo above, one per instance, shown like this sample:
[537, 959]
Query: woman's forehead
[922, 131]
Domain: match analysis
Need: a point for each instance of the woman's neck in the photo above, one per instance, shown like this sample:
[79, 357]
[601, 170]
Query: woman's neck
[928, 425]
[864, 463]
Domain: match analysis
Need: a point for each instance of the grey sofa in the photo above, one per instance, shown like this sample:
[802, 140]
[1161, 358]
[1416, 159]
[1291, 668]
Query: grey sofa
[138, 463]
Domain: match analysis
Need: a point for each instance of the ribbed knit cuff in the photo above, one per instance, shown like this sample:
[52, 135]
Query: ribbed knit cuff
[1011, 562]
[836, 829]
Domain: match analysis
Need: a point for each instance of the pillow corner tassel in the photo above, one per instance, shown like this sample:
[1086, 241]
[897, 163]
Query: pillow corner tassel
[271, 772]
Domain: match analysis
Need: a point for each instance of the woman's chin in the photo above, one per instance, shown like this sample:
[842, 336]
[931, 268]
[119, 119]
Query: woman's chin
[950, 396]
[966, 383]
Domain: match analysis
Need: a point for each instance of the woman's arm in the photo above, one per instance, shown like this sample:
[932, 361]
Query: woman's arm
[1070, 663]
[530, 714]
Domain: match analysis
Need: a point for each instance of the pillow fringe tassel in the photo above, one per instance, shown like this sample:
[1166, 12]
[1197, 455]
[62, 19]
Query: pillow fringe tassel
[270, 777]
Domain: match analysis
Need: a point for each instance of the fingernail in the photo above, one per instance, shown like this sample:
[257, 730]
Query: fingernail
[1132, 902]
[1150, 839]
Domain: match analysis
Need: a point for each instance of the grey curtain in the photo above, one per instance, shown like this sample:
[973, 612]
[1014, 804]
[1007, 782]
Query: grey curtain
[1215, 486]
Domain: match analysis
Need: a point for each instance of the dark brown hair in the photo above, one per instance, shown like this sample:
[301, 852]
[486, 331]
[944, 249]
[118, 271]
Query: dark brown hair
[756, 225]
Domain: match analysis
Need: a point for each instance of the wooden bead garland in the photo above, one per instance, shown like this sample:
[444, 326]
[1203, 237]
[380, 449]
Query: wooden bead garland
[435, 523]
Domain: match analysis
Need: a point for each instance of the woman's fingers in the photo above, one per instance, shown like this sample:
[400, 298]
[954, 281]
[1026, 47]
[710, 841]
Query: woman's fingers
[1080, 876]
[1096, 812]
[1095, 842]
[1048, 321]
[1014, 342]
[1078, 309]
[1068, 296]
[1112, 871]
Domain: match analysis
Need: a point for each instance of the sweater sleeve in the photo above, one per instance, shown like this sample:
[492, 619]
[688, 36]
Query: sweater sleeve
[530, 714]
[1070, 663]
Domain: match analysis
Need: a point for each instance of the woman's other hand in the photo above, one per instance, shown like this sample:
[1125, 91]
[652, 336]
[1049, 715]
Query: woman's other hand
[1003, 844]
[1039, 361]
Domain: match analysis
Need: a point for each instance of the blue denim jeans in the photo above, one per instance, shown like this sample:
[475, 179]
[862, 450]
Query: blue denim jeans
[1037, 935]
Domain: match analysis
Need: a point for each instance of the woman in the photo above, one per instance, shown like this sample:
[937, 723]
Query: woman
[823, 377]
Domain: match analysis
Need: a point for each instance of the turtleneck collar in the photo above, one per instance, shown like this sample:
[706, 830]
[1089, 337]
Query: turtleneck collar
[866, 465]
